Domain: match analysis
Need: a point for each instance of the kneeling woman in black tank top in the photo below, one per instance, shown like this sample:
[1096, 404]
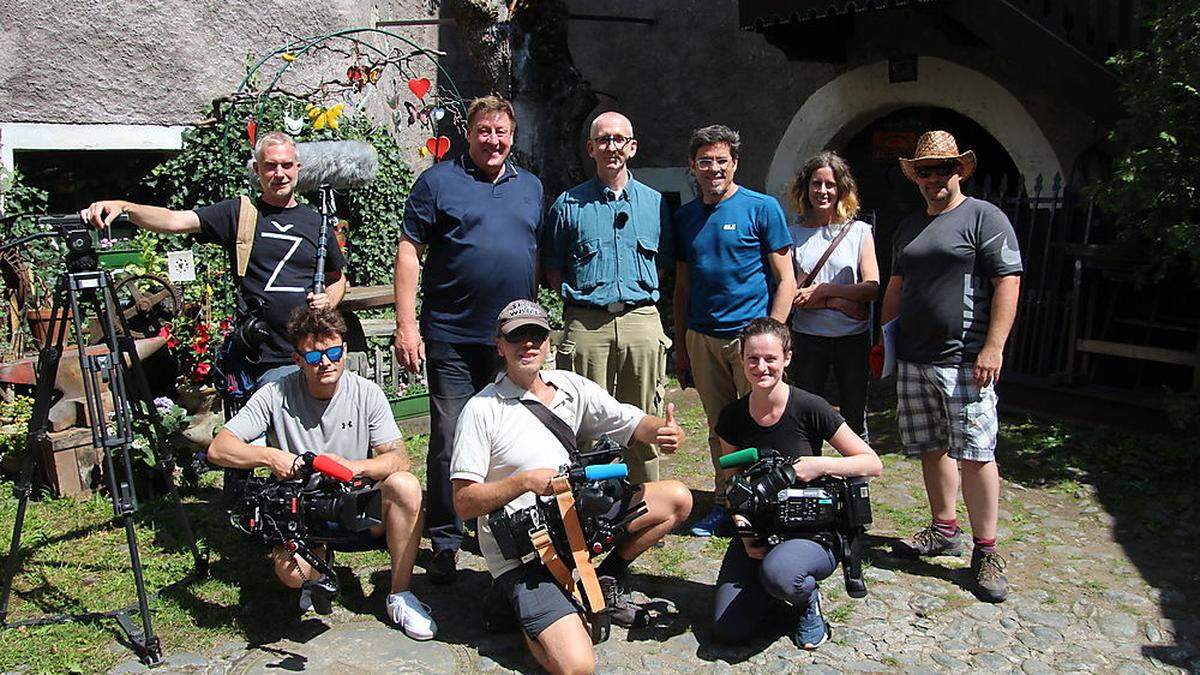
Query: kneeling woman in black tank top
[796, 423]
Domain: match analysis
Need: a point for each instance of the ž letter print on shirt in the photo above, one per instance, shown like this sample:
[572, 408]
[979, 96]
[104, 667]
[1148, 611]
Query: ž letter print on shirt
[283, 261]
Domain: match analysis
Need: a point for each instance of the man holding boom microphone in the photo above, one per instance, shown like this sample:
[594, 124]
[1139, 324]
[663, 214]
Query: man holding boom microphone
[278, 276]
[506, 452]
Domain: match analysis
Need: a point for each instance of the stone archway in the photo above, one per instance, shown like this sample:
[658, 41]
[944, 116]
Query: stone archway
[850, 102]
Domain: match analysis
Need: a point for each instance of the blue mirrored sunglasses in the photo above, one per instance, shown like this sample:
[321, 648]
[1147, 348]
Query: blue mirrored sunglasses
[334, 353]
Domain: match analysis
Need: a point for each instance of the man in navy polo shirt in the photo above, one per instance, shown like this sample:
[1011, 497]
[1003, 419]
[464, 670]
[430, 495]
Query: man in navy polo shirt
[479, 218]
[733, 265]
[606, 239]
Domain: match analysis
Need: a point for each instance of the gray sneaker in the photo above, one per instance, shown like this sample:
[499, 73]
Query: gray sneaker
[619, 607]
[928, 542]
[988, 570]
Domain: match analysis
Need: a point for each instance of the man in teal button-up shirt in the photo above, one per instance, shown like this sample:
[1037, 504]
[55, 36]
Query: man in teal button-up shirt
[606, 240]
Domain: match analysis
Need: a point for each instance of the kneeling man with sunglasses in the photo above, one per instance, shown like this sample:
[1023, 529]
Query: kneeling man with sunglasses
[325, 410]
[505, 455]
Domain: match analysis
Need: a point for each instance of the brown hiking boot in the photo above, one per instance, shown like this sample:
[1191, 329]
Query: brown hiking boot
[988, 570]
[619, 607]
[928, 542]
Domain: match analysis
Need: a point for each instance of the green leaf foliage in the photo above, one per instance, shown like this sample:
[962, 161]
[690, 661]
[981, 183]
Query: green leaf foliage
[1153, 190]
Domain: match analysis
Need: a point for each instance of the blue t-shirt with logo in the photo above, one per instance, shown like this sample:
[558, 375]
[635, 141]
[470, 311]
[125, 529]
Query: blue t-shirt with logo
[725, 246]
[481, 242]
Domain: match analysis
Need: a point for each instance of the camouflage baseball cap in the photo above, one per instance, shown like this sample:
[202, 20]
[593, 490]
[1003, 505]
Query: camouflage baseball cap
[521, 313]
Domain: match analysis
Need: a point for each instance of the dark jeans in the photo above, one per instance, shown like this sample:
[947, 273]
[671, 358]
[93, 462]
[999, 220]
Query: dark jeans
[789, 572]
[813, 356]
[456, 373]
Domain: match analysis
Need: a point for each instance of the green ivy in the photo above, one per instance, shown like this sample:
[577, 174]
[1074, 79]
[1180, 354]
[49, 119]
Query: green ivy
[212, 166]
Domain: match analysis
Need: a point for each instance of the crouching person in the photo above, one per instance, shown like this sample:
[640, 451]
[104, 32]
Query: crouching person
[796, 424]
[505, 455]
[327, 411]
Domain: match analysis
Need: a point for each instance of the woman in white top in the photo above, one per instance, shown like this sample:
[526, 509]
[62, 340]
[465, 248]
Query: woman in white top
[830, 324]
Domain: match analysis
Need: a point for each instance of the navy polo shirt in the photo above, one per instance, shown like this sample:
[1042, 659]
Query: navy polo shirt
[608, 246]
[480, 239]
[725, 246]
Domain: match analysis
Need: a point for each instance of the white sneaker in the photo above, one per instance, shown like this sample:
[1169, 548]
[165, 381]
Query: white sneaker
[411, 615]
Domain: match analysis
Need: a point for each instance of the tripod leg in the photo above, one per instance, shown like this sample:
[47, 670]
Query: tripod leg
[164, 461]
[145, 642]
[39, 425]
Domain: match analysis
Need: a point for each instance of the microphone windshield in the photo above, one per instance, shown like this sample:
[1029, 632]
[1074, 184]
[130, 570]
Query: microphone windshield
[738, 459]
[338, 164]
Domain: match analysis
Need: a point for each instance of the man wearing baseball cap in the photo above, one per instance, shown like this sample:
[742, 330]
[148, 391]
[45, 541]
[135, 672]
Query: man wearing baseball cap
[505, 456]
[955, 281]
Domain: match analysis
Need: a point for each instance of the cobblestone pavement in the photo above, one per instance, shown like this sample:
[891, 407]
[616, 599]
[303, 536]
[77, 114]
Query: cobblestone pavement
[1104, 580]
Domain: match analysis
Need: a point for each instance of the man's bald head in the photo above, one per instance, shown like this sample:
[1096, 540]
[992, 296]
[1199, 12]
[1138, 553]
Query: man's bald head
[611, 120]
[611, 144]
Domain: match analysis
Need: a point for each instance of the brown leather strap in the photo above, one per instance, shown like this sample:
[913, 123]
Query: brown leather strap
[828, 252]
[544, 545]
[588, 584]
[247, 220]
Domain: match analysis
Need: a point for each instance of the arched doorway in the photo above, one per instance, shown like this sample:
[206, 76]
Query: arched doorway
[887, 195]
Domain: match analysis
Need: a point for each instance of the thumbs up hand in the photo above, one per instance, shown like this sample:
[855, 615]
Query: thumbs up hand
[670, 435]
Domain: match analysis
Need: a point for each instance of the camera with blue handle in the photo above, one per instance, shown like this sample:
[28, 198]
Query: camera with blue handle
[602, 491]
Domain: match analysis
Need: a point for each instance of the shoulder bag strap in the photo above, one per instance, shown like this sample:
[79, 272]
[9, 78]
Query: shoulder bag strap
[828, 252]
[247, 220]
[561, 430]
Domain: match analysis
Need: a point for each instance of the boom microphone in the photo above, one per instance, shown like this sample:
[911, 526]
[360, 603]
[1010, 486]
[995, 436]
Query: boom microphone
[338, 164]
[739, 459]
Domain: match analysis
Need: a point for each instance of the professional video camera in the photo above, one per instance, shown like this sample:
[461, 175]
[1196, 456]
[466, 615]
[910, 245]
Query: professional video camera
[599, 486]
[324, 504]
[831, 510]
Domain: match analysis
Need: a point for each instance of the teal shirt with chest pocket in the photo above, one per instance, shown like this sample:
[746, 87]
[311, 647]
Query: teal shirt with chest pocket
[608, 247]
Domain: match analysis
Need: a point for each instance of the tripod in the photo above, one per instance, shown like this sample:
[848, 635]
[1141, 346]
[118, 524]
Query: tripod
[85, 288]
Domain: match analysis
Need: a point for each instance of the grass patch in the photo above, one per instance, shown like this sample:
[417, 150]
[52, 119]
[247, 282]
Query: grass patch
[669, 560]
[715, 547]
[840, 613]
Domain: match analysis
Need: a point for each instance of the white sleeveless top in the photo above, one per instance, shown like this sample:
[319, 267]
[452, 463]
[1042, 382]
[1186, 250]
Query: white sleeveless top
[841, 268]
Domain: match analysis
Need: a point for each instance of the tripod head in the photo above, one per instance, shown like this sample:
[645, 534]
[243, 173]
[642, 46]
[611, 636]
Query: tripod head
[76, 234]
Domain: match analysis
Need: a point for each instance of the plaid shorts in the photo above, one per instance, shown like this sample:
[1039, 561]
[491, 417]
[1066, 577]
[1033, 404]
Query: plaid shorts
[941, 408]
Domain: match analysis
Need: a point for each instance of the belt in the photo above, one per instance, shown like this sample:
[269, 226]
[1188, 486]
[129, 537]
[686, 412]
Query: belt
[612, 307]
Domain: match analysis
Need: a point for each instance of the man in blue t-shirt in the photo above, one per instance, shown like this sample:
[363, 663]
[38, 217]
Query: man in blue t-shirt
[733, 265]
[478, 218]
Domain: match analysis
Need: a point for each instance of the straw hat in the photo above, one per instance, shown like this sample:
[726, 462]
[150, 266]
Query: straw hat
[938, 145]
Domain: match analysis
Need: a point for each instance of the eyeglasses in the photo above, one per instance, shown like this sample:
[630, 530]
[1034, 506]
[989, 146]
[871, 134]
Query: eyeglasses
[525, 334]
[334, 354]
[943, 170]
[617, 142]
[708, 163]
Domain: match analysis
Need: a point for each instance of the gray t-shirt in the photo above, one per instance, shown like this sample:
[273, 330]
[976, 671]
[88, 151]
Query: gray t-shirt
[355, 420]
[948, 262]
[810, 243]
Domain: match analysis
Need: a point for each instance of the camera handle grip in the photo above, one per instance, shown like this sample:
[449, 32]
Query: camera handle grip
[851, 542]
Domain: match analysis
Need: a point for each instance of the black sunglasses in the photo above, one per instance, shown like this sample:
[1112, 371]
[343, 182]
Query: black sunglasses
[313, 356]
[526, 334]
[943, 170]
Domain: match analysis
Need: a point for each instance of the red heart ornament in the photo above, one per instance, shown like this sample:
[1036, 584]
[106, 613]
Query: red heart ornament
[419, 86]
[438, 147]
[251, 129]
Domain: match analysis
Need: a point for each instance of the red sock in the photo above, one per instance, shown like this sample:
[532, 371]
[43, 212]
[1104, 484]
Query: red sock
[946, 528]
[985, 545]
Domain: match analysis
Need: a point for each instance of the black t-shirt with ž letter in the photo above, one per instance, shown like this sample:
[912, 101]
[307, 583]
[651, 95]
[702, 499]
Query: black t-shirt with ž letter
[948, 262]
[807, 422]
[282, 261]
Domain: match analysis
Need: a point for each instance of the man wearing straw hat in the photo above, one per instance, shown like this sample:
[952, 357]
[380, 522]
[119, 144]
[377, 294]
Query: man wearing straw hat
[954, 286]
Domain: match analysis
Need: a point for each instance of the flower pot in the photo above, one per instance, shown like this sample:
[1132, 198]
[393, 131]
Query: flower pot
[197, 399]
[116, 258]
[411, 406]
[38, 321]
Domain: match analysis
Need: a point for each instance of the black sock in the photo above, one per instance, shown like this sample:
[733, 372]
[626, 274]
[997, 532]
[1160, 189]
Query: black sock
[613, 565]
